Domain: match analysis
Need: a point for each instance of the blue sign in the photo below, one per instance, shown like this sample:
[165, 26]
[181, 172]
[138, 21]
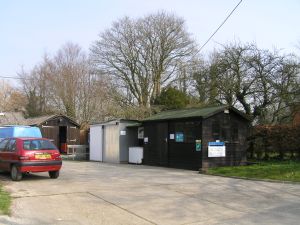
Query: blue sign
[216, 144]
[179, 137]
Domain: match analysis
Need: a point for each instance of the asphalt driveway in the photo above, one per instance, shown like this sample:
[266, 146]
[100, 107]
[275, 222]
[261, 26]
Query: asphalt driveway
[100, 193]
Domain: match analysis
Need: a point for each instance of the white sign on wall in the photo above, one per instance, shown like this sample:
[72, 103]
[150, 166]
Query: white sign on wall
[172, 136]
[216, 149]
[140, 132]
[123, 132]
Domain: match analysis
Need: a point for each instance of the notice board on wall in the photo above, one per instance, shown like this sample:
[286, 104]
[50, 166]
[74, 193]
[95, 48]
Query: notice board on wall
[216, 149]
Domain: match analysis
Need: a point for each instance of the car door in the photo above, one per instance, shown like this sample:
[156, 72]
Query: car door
[3, 162]
[10, 155]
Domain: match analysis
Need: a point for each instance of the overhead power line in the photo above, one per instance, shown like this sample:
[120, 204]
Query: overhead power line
[16, 78]
[224, 21]
[11, 77]
[211, 36]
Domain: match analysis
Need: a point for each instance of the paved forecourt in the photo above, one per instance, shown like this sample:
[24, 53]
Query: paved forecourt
[101, 193]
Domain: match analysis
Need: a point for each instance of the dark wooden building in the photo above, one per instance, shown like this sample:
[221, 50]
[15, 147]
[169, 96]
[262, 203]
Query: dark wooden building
[196, 138]
[61, 129]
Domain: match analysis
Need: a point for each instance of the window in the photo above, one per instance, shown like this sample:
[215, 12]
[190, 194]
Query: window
[221, 130]
[235, 131]
[215, 129]
[225, 134]
[226, 120]
[38, 145]
[3, 144]
[187, 132]
[179, 132]
[226, 127]
[11, 146]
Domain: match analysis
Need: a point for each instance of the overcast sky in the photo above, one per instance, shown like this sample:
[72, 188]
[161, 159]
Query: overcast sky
[30, 28]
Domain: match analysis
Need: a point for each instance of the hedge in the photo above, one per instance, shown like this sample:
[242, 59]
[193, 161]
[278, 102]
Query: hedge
[274, 142]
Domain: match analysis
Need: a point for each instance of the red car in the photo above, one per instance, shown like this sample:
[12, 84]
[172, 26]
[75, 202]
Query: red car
[22, 155]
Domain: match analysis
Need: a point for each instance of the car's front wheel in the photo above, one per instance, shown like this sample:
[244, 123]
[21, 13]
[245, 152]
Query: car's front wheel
[54, 174]
[15, 173]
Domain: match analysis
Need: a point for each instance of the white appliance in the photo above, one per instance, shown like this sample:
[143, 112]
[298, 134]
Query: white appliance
[135, 155]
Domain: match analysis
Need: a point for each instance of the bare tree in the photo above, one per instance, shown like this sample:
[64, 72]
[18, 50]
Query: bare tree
[202, 77]
[11, 99]
[36, 87]
[143, 54]
[66, 83]
[66, 69]
[5, 92]
[261, 82]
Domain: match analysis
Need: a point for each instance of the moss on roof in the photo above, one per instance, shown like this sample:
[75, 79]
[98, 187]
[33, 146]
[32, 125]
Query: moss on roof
[134, 125]
[36, 121]
[192, 112]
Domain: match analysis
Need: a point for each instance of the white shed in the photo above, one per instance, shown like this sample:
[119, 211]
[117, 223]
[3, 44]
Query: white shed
[110, 141]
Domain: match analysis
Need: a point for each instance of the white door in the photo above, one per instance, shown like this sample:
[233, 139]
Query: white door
[96, 138]
[111, 151]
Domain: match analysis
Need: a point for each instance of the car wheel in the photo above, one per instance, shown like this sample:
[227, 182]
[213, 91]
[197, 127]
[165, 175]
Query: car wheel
[15, 173]
[54, 174]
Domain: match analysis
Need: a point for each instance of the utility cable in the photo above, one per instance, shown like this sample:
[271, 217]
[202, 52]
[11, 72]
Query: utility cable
[16, 78]
[211, 36]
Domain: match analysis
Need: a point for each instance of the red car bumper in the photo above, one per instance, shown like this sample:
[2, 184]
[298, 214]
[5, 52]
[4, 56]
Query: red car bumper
[40, 166]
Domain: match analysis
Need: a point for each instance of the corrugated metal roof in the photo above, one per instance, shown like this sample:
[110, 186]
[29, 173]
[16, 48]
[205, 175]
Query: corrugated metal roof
[192, 112]
[113, 122]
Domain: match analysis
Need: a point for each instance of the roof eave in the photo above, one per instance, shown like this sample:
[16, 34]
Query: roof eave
[168, 119]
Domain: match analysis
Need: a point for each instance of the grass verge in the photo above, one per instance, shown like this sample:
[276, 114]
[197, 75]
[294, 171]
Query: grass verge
[278, 170]
[5, 201]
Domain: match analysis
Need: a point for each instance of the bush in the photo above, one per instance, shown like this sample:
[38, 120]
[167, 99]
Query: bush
[171, 98]
[274, 142]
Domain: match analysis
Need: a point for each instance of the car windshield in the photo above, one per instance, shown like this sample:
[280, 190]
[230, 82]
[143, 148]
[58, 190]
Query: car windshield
[38, 145]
